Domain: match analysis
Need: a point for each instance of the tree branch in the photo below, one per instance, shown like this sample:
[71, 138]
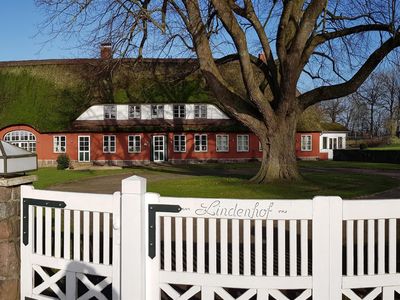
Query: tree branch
[340, 90]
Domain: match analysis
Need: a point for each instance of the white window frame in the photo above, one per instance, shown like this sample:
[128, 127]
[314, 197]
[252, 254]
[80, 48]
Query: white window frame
[306, 146]
[110, 148]
[134, 112]
[226, 148]
[22, 138]
[199, 147]
[179, 111]
[132, 146]
[181, 138]
[110, 112]
[259, 147]
[340, 143]
[58, 144]
[240, 144]
[200, 111]
[326, 146]
[157, 108]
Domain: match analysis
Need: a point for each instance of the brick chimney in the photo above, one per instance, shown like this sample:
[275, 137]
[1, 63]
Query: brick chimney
[106, 51]
[262, 57]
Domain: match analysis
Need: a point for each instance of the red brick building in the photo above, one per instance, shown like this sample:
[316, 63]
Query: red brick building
[81, 108]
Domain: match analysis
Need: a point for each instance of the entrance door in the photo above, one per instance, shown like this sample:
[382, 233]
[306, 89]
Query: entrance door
[84, 148]
[158, 148]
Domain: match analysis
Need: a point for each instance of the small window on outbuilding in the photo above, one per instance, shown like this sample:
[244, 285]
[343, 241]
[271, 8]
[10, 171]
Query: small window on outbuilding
[306, 143]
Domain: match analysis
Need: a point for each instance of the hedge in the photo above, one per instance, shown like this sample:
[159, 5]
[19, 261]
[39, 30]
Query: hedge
[376, 156]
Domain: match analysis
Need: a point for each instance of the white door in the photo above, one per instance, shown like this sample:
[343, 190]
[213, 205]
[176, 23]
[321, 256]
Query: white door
[84, 148]
[332, 146]
[158, 148]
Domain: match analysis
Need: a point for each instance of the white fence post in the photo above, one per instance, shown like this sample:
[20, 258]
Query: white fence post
[133, 257]
[327, 248]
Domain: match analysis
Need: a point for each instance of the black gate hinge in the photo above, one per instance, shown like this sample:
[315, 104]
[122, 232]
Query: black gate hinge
[25, 213]
[153, 210]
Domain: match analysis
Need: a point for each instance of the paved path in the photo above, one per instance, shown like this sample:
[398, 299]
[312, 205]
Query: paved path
[110, 184]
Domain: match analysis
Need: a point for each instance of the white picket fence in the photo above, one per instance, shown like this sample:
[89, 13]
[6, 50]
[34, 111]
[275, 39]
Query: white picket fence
[138, 245]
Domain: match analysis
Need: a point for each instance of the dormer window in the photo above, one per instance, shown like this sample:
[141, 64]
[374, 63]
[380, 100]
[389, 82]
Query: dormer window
[200, 111]
[157, 111]
[110, 112]
[134, 112]
[179, 111]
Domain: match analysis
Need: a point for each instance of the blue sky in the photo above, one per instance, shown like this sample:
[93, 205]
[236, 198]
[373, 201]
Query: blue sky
[19, 21]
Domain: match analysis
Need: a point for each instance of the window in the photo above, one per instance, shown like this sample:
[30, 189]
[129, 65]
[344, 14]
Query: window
[22, 139]
[110, 112]
[222, 143]
[340, 143]
[259, 146]
[157, 111]
[134, 111]
[200, 111]
[179, 111]
[179, 143]
[200, 142]
[306, 144]
[242, 143]
[324, 142]
[59, 144]
[109, 143]
[134, 144]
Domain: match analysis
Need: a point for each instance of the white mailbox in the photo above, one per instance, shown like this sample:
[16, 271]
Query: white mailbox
[15, 160]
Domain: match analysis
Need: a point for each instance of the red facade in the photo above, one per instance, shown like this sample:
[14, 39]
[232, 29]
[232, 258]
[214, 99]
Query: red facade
[46, 153]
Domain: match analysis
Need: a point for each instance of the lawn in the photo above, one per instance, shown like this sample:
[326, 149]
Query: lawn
[328, 164]
[386, 147]
[231, 181]
[51, 176]
[313, 184]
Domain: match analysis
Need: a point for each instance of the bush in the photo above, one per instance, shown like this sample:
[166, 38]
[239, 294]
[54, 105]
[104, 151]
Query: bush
[62, 162]
[363, 146]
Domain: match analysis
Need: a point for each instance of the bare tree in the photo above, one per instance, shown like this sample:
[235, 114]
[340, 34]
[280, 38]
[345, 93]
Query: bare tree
[372, 94]
[333, 109]
[391, 98]
[337, 44]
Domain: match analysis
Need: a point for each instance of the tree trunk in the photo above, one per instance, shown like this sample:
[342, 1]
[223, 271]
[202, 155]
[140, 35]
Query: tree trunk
[279, 158]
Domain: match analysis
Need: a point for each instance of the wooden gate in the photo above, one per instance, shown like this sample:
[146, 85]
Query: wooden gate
[206, 249]
[69, 245]
[234, 249]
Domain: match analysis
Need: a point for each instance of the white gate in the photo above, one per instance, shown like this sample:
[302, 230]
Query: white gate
[189, 248]
[210, 247]
[69, 245]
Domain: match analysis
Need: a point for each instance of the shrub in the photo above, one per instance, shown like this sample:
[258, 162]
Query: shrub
[363, 146]
[62, 162]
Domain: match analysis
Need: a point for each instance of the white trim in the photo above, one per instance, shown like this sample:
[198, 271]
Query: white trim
[54, 144]
[173, 142]
[304, 149]
[84, 136]
[157, 107]
[113, 109]
[134, 141]
[237, 142]
[109, 147]
[179, 107]
[164, 148]
[194, 144]
[216, 142]
[134, 106]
